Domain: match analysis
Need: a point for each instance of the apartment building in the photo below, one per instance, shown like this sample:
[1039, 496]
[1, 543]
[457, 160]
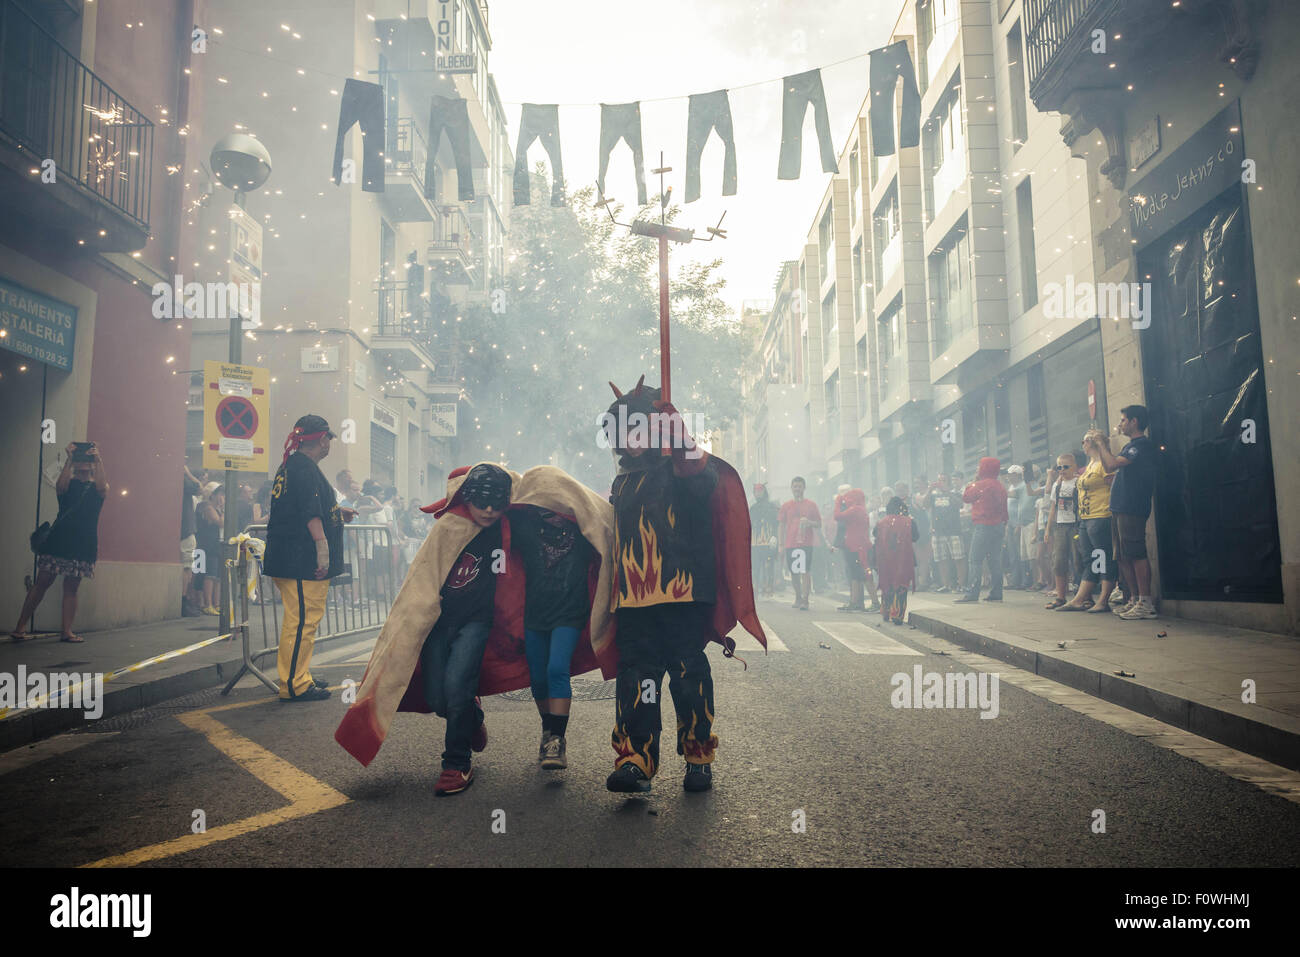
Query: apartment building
[95, 99]
[363, 290]
[1182, 113]
[1060, 156]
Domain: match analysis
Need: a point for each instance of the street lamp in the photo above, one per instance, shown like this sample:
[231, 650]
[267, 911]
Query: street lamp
[242, 164]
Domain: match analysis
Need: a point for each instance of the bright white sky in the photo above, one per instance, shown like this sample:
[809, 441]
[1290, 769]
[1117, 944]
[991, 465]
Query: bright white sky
[585, 52]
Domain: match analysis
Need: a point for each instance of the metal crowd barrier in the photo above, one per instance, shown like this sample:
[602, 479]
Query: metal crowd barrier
[358, 600]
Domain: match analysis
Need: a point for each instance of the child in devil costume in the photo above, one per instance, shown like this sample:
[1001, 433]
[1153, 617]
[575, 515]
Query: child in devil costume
[681, 580]
[456, 630]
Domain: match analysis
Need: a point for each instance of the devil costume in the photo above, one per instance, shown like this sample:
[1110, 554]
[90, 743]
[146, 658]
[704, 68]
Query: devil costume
[448, 563]
[681, 579]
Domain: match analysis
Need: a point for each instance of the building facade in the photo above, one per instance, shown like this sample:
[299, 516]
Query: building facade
[363, 290]
[95, 101]
[974, 295]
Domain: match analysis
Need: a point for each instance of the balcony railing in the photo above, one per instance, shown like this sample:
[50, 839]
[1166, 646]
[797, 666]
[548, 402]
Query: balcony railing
[1052, 25]
[409, 152]
[55, 108]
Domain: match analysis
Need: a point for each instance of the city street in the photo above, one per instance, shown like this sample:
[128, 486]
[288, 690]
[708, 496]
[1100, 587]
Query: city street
[808, 734]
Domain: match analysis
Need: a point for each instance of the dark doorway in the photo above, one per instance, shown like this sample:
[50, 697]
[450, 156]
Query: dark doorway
[1215, 502]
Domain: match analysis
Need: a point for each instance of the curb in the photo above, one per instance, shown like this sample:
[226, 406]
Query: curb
[38, 723]
[1263, 740]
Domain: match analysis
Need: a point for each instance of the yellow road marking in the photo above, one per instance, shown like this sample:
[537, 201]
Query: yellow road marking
[306, 794]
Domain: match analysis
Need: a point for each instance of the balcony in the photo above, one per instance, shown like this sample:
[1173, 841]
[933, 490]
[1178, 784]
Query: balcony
[451, 252]
[52, 108]
[403, 328]
[1059, 43]
[404, 162]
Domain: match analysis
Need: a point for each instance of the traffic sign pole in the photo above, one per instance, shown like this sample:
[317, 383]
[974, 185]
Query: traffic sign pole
[231, 527]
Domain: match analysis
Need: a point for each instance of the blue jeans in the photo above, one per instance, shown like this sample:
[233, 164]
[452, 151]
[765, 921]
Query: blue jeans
[450, 661]
[549, 655]
[986, 543]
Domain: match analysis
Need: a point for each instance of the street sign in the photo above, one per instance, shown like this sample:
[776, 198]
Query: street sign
[236, 426]
[443, 419]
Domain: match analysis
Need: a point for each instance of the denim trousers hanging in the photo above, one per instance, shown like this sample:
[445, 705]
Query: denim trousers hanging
[450, 114]
[800, 90]
[537, 121]
[708, 112]
[622, 121]
[363, 103]
[887, 65]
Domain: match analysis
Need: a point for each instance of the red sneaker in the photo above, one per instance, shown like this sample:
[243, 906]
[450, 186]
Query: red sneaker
[479, 741]
[452, 781]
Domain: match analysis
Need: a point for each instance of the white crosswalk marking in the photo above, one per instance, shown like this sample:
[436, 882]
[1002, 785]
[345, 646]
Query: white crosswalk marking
[747, 642]
[863, 640]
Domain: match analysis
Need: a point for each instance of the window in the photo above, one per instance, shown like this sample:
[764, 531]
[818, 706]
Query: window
[859, 293]
[824, 237]
[886, 228]
[830, 325]
[855, 186]
[862, 376]
[950, 288]
[1025, 237]
[1016, 69]
[945, 151]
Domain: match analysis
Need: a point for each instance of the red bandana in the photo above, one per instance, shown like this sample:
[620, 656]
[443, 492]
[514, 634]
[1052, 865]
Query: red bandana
[295, 439]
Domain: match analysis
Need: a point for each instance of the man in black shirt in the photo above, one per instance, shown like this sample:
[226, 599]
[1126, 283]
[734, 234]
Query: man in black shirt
[304, 550]
[453, 652]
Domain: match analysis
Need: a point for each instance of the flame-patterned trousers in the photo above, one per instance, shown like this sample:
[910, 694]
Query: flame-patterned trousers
[652, 640]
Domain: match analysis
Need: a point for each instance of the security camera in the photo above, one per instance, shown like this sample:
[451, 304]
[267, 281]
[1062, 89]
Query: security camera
[240, 162]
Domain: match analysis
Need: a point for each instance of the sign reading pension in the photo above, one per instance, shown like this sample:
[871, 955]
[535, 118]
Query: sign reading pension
[236, 420]
[443, 419]
[37, 327]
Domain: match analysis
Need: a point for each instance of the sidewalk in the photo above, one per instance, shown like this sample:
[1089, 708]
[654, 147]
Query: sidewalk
[107, 651]
[1191, 677]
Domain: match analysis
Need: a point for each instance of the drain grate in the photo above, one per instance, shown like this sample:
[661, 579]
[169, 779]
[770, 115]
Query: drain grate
[142, 716]
[584, 689]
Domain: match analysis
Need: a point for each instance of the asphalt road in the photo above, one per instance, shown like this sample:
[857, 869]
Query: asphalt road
[807, 732]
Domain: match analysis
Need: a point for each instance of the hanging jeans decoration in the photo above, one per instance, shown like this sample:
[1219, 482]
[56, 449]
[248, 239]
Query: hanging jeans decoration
[708, 112]
[363, 103]
[622, 121]
[450, 114]
[800, 90]
[887, 65]
[537, 121]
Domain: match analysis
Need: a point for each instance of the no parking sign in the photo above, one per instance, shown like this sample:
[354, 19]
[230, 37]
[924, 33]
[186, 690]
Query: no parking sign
[235, 417]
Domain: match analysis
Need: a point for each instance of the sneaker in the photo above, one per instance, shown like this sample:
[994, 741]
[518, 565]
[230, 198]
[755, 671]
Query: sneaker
[1143, 609]
[314, 693]
[965, 600]
[1122, 610]
[628, 779]
[453, 781]
[479, 740]
[541, 748]
[320, 684]
[699, 777]
[553, 759]
[1117, 598]
[992, 597]
[942, 590]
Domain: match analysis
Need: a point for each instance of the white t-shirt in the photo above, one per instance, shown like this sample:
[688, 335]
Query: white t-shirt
[1066, 495]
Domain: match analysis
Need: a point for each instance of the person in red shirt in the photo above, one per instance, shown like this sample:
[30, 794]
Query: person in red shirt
[988, 501]
[854, 523]
[800, 525]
